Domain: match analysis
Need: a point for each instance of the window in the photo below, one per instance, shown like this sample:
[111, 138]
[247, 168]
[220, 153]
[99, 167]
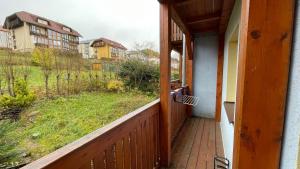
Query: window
[58, 36]
[34, 39]
[37, 30]
[50, 34]
[51, 43]
[33, 28]
[66, 29]
[42, 21]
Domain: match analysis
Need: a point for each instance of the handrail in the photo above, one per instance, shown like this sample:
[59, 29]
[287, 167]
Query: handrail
[125, 141]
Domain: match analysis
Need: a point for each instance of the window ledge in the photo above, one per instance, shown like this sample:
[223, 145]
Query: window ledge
[229, 108]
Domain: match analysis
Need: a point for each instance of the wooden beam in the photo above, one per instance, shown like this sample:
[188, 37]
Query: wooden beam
[225, 15]
[165, 87]
[189, 69]
[180, 67]
[179, 21]
[219, 78]
[182, 2]
[189, 47]
[204, 18]
[263, 67]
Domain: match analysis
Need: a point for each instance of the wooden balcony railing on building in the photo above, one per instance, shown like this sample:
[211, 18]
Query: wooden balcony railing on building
[129, 142]
[176, 34]
[175, 84]
[178, 113]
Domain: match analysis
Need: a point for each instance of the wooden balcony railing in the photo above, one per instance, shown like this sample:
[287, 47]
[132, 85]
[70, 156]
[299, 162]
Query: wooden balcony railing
[178, 113]
[175, 84]
[176, 34]
[129, 142]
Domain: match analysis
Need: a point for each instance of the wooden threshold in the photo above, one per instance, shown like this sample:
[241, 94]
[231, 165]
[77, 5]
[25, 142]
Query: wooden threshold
[196, 144]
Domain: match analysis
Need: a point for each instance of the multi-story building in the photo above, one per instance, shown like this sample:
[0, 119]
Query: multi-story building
[86, 50]
[5, 38]
[105, 48]
[29, 30]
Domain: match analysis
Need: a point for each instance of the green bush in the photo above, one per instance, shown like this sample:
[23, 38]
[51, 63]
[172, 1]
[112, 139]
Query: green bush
[22, 98]
[115, 85]
[139, 74]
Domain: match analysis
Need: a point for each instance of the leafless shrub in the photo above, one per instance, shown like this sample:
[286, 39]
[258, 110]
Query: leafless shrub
[46, 59]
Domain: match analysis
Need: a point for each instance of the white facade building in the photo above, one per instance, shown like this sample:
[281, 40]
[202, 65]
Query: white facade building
[4, 38]
[86, 50]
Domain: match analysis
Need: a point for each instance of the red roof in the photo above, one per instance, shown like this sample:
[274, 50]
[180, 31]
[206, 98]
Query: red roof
[33, 19]
[110, 42]
[3, 30]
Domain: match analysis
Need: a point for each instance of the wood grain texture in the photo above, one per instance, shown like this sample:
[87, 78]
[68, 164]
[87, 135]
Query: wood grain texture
[165, 87]
[113, 146]
[202, 15]
[219, 78]
[265, 42]
[178, 113]
[197, 143]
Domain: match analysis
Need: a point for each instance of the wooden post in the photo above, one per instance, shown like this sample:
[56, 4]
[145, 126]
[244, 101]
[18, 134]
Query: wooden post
[180, 67]
[263, 66]
[165, 86]
[219, 78]
[189, 68]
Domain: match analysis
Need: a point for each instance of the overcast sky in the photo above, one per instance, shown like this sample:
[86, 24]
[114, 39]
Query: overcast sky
[125, 21]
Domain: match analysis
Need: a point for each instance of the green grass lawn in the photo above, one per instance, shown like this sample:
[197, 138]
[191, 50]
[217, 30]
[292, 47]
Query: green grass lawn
[51, 124]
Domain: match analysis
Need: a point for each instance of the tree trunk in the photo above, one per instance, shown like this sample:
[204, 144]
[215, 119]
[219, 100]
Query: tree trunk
[46, 85]
[57, 84]
[91, 82]
[25, 78]
[1, 92]
[68, 79]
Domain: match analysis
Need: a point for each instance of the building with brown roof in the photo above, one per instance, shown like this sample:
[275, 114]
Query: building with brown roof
[29, 30]
[105, 48]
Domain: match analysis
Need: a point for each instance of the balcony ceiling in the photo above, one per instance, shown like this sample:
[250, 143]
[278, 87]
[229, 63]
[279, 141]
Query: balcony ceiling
[203, 15]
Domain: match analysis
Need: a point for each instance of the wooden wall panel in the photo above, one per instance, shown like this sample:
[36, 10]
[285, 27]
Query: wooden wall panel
[123, 144]
[266, 31]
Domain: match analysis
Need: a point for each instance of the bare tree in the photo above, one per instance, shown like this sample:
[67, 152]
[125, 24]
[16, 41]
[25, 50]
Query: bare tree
[68, 64]
[78, 62]
[45, 56]
[24, 66]
[8, 69]
[58, 64]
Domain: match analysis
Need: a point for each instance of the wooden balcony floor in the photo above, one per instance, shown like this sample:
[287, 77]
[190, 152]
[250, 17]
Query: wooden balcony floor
[196, 144]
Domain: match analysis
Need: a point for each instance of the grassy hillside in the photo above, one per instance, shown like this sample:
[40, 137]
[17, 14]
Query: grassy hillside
[51, 124]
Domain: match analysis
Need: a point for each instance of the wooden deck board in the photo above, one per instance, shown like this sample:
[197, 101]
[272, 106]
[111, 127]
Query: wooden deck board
[196, 144]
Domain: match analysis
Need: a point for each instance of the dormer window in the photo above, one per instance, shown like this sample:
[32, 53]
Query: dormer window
[66, 29]
[41, 21]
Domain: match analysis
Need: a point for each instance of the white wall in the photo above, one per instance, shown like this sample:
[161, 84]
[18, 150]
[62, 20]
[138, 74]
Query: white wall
[205, 76]
[4, 39]
[226, 127]
[292, 119]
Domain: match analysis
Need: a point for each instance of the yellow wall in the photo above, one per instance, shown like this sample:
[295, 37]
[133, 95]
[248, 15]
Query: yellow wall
[23, 38]
[232, 71]
[103, 52]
